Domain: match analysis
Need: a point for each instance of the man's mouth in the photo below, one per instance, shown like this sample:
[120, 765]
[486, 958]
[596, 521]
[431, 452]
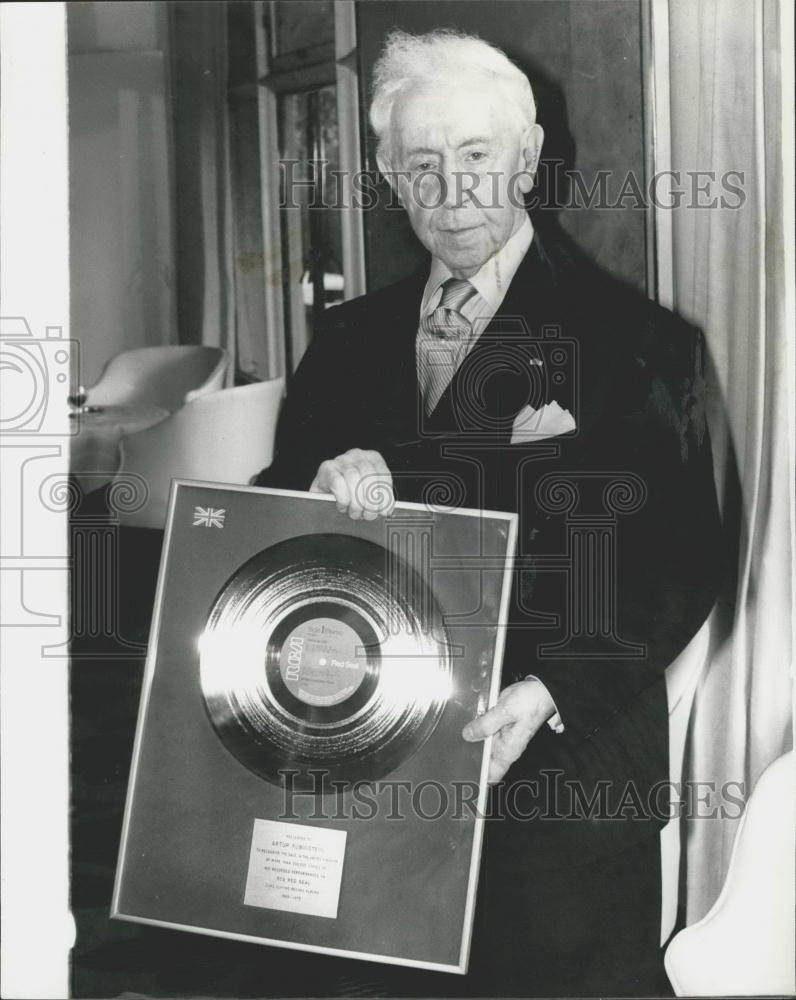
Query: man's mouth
[461, 229]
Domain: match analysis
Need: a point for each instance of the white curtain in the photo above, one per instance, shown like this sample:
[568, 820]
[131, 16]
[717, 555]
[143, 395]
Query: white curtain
[203, 214]
[121, 276]
[732, 110]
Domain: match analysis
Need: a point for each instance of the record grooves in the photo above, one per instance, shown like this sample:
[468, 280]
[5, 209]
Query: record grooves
[324, 653]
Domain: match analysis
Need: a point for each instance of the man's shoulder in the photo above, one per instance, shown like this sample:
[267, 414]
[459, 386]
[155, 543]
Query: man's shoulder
[625, 319]
[638, 356]
[382, 305]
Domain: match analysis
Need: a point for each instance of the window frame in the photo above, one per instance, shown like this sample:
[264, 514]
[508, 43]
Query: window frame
[278, 75]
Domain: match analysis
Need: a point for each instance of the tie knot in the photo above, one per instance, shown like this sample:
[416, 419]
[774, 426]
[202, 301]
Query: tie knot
[446, 321]
[455, 292]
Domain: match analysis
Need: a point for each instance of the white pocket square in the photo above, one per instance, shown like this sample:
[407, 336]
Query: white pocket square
[535, 425]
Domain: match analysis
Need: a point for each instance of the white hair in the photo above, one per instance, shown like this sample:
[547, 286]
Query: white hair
[407, 59]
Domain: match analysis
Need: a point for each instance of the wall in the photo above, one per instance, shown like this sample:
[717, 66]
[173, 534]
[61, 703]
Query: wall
[121, 242]
[115, 27]
[584, 62]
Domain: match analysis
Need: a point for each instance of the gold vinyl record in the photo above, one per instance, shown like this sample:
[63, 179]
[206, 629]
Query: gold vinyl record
[324, 656]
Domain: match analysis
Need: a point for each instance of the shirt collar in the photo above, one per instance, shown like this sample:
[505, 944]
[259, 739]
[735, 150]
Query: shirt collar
[492, 280]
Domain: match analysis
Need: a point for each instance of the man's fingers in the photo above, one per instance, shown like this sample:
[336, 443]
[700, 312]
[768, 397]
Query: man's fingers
[360, 482]
[378, 496]
[500, 760]
[380, 465]
[374, 494]
[512, 723]
[375, 489]
[382, 492]
[489, 723]
[352, 479]
[331, 480]
[508, 746]
[367, 477]
[510, 742]
[528, 702]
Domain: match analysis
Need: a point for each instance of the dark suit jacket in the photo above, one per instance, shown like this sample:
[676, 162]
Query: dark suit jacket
[632, 374]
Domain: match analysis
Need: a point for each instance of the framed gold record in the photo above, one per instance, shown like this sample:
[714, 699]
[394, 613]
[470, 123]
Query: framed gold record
[339, 668]
[304, 668]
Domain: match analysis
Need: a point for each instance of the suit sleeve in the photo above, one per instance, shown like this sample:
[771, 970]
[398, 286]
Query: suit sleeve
[316, 422]
[668, 564]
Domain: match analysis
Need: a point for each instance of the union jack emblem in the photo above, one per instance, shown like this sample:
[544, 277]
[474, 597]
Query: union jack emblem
[209, 517]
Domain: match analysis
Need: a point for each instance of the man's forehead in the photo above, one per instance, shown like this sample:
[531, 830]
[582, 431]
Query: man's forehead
[427, 115]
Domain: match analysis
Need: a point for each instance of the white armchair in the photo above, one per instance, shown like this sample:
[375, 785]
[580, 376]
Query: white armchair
[164, 376]
[745, 945]
[223, 437]
[682, 677]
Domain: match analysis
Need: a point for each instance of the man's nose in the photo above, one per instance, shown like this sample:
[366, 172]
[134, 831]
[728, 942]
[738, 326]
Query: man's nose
[451, 188]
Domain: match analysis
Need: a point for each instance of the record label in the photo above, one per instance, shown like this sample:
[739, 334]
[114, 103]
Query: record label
[319, 662]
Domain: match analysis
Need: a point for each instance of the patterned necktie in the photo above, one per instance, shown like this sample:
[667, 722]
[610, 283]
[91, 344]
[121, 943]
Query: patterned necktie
[441, 341]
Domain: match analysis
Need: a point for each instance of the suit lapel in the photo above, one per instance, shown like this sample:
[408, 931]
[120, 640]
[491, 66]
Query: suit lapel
[544, 317]
[502, 368]
[546, 302]
[395, 320]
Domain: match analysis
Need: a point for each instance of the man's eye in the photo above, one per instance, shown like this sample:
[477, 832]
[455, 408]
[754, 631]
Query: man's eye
[423, 167]
[476, 156]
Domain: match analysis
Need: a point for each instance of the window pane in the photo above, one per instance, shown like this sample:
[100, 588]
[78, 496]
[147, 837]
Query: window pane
[302, 24]
[311, 237]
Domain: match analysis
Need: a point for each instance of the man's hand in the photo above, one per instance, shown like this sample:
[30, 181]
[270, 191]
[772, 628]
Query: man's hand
[360, 482]
[520, 711]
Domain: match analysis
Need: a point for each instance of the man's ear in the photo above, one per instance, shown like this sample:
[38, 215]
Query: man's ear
[387, 172]
[531, 150]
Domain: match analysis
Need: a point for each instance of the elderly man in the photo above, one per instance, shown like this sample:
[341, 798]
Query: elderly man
[518, 379]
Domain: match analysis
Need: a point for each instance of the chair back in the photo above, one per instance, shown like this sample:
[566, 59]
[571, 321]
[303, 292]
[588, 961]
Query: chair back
[682, 677]
[745, 945]
[163, 376]
[221, 437]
